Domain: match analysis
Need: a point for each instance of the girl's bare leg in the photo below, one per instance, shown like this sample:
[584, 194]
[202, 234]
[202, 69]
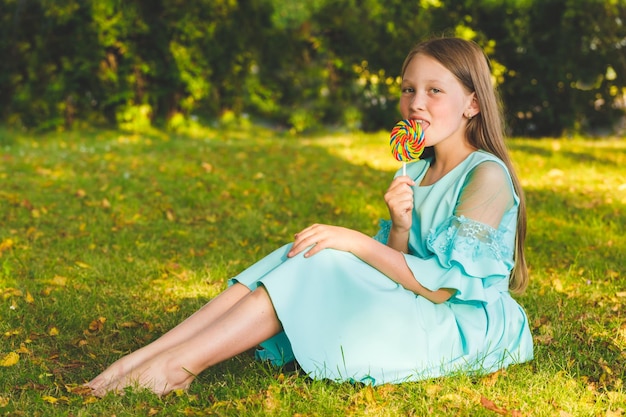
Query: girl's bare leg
[251, 321]
[183, 331]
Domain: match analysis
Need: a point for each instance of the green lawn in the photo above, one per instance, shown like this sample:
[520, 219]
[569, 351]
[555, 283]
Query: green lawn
[108, 239]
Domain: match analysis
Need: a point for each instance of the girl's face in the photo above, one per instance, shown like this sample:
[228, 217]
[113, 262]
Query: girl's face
[432, 94]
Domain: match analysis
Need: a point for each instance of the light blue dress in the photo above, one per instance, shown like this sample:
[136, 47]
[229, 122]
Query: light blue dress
[345, 321]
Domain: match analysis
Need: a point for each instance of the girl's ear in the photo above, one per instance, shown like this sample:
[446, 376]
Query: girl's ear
[473, 108]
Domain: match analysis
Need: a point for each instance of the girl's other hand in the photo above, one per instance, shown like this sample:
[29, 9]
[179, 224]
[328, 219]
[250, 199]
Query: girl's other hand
[321, 236]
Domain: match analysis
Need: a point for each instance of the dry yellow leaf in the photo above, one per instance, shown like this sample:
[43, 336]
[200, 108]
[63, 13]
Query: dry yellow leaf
[11, 333]
[172, 309]
[23, 349]
[82, 265]
[11, 292]
[29, 298]
[50, 399]
[97, 325]
[90, 400]
[558, 285]
[10, 359]
[53, 331]
[5, 245]
[59, 281]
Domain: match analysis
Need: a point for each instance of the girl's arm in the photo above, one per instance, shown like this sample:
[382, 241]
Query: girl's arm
[387, 260]
[486, 196]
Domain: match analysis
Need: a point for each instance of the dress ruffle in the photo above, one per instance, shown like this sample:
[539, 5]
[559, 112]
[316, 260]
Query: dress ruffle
[382, 235]
[466, 256]
[474, 246]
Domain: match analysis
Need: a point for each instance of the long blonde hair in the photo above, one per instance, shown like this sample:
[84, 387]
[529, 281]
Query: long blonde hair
[467, 61]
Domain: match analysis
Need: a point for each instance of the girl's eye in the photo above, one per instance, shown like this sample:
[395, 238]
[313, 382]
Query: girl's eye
[435, 90]
[407, 90]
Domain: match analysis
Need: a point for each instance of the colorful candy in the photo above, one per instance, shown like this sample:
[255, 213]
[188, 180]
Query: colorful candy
[407, 140]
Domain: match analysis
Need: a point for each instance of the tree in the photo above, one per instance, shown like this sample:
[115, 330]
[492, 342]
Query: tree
[138, 63]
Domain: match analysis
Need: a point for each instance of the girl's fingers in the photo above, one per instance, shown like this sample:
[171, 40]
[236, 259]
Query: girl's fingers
[304, 239]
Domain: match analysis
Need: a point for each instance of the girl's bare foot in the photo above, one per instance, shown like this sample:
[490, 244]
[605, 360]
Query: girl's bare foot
[117, 371]
[161, 375]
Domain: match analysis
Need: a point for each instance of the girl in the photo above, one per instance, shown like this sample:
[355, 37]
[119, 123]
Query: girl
[426, 297]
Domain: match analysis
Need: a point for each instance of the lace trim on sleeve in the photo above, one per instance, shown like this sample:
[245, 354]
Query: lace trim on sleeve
[383, 232]
[478, 248]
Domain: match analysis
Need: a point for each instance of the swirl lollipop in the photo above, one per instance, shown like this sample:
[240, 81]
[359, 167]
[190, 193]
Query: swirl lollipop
[407, 141]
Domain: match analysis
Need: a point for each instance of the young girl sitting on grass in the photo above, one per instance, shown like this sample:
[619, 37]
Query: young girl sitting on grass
[428, 296]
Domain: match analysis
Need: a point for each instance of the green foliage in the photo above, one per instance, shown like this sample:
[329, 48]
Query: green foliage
[562, 57]
[108, 239]
[299, 64]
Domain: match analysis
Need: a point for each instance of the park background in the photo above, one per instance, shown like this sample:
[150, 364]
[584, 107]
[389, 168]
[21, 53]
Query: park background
[559, 64]
[150, 150]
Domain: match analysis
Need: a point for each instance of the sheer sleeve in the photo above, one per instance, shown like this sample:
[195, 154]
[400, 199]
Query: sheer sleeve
[487, 194]
[469, 251]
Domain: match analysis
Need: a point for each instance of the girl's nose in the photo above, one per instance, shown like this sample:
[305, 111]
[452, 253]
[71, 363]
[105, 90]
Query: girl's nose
[416, 102]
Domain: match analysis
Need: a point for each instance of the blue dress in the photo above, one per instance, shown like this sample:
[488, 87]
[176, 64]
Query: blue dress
[345, 321]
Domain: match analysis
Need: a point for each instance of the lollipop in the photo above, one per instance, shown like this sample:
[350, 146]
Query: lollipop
[407, 141]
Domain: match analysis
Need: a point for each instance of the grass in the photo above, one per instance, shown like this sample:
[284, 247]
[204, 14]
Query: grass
[108, 239]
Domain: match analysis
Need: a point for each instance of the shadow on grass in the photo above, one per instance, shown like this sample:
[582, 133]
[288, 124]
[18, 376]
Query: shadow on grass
[570, 153]
[575, 250]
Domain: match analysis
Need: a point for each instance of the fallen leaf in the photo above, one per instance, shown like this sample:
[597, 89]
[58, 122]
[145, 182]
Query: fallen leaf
[23, 349]
[5, 245]
[90, 400]
[558, 285]
[490, 405]
[172, 309]
[129, 324]
[79, 389]
[617, 413]
[544, 339]
[97, 324]
[12, 333]
[82, 265]
[58, 281]
[10, 359]
[50, 399]
[11, 292]
[53, 331]
[491, 379]
[29, 298]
